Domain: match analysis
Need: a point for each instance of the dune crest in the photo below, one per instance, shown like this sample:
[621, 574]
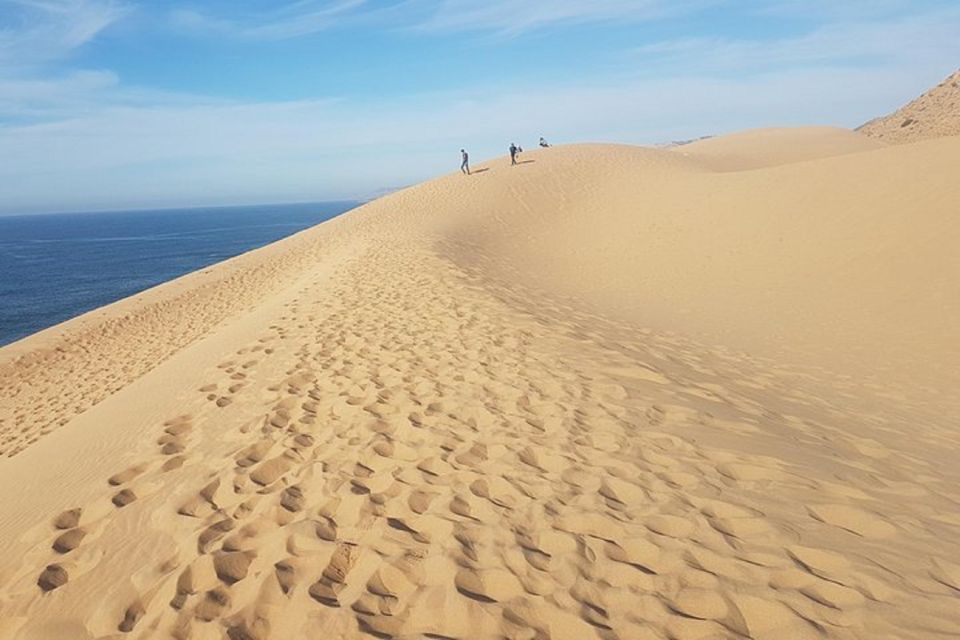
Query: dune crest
[762, 148]
[680, 240]
[456, 412]
[935, 114]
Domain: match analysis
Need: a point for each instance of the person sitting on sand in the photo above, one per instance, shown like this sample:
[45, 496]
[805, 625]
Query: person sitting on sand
[543, 142]
[465, 164]
[514, 150]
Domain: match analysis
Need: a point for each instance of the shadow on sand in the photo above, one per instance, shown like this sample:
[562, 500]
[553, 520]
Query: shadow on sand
[475, 171]
[526, 161]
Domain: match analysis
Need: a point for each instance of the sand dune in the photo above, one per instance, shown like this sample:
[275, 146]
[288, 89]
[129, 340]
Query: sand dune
[935, 114]
[742, 258]
[519, 405]
[761, 148]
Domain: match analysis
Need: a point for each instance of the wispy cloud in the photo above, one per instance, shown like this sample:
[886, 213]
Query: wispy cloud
[896, 42]
[505, 17]
[103, 142]
[139, 155]
[846, 10]
[27, 102]
[512, 17]
[51, 97]
[39, 31]
[291, 20]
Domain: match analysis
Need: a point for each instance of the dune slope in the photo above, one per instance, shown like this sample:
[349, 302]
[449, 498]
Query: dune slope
[935, 114]
[457, 412]
[846, 262]
[762, 148]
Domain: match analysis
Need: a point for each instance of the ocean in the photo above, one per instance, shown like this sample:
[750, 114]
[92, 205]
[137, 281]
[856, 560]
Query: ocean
[57, 266]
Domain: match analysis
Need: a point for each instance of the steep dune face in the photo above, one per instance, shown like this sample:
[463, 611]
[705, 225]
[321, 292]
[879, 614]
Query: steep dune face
[482, 408]
[935, 114]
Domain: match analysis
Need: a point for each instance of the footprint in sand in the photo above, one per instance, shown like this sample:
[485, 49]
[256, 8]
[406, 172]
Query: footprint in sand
[123, 498]
[53, 577]
[327, 588]
[68, 519]
[126, 475]
[131, 616]
[69, 540]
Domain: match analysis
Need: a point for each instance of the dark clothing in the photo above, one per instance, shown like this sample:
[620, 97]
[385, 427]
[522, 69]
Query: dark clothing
[513, 153]
[465, 165]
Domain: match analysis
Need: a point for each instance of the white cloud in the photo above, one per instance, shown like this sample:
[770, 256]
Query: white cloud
[508, 17]
[83, 139]
[512, 17]
[290, 20]
[34, 98]
[847, 9]
[40, 31]
[894, 42]
[221, 153]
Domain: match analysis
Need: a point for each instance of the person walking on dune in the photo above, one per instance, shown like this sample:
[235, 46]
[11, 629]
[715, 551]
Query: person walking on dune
[514, 150]
[543, 142]
[465, 162]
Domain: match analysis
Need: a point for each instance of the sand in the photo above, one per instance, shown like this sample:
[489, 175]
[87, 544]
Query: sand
[612, 392]
[935, 114]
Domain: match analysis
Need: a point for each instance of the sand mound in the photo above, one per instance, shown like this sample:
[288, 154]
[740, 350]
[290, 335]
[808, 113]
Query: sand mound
[450, 414]
[935, 114]
[771, 147]
[847, 262]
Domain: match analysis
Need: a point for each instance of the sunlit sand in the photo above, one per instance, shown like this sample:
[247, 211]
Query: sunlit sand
[519, 404]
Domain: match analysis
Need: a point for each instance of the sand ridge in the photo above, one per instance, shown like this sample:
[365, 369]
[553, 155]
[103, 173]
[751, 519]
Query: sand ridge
[935, 114]
[740, 258]
[404, 435]
[49, 377]
[762, 148]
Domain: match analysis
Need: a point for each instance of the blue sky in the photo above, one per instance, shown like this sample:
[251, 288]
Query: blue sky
[110, 104]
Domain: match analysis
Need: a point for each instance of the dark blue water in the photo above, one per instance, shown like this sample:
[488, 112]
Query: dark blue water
[57, 266]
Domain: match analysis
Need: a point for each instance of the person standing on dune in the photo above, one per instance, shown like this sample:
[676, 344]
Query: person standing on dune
[514, 149]
[465, 162]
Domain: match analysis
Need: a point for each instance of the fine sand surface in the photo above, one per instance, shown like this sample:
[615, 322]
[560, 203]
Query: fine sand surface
[612, 392]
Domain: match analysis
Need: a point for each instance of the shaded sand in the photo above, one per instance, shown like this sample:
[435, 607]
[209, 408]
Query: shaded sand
[935, 114]
[456, 413]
